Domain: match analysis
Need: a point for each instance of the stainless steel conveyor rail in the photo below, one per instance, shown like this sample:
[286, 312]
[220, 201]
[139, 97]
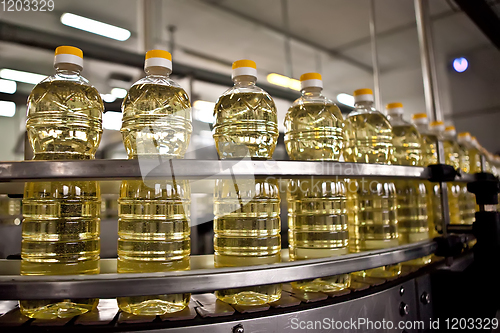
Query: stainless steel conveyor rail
[200, 169]
[202, 278]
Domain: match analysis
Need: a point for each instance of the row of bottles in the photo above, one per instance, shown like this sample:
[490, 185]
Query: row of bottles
[326, 217]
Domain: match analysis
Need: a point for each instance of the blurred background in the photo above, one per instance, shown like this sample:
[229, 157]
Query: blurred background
[284, 38]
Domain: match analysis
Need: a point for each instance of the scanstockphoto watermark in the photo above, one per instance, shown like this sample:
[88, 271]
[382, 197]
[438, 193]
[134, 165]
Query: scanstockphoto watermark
[355, 324]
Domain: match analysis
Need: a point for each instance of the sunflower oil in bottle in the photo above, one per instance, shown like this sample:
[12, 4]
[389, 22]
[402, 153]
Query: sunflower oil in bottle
[317, 211]
[372, 203]
[429, 156]
[247, 222]
[411, 194]
[60, 231]
[451, 157]
[467, 200]
[154, 215]
[474, 156]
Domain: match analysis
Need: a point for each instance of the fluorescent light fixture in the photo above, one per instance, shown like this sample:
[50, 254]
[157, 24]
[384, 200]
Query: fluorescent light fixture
[108, 98]
[95, 27]
[346, 99]
[8, 86]
[20, 76]
[119, 92]
[283, 81]
[7, 109]
[460, 64]
[203, 111]
[112, 120]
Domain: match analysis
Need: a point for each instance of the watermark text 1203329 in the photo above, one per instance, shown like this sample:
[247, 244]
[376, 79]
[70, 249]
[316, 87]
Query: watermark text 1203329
[27, 5]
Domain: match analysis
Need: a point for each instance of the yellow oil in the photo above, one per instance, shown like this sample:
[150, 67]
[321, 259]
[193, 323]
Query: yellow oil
[247, 233]
[60, 229]
[154, 215]
[314, 132]
[317, 227]
[156, 120]
[317, 209]
[466, 200]
[153, 236]
[247, 223]
[451, 154]
[245, 125]
[372, 203]
[411, 195]
[434, 205]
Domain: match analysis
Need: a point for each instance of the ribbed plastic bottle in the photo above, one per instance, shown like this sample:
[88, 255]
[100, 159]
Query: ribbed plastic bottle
[154, 215]
[451, 157]
[474, 156]
[412, 195]
[372, 203]
[247, 222]
[467, 200]
[429, 156]
[317, 211]
[60, 231]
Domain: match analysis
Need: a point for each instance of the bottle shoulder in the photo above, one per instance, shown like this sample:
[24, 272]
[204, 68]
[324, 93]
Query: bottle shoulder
[156, 80]
[363, 117]
[53, 93]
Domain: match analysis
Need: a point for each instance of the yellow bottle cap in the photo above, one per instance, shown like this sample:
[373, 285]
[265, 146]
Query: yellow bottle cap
[463, 134]
[437, 123]
[449, 128]
[158, 58]
[394, 105]
[311, 80]
[68, 55]
[244, 67]
[363, 95]
[419, 116]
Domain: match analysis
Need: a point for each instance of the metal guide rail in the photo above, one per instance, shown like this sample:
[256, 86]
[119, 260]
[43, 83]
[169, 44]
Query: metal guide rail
[201, 169]
[202, 278]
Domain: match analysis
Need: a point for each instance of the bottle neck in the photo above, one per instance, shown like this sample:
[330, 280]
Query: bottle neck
[397, 117]
[157, 70]
[422, 128]
[244, 81]
[364, 105]
[68, 69]
[312, 92]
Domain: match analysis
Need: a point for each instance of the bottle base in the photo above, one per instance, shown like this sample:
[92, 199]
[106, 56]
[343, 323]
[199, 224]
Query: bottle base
[251, 296]
[419, 261]
[326, 284]
[153, 305]
[50, 309]
[386, 271]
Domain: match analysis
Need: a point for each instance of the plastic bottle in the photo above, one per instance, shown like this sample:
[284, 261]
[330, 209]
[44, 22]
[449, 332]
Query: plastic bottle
[372, 203]
[467, 200]
[429, 156]
[247, 223]
[60, 231]
[317, 211]
[451, 157]
[154, 215]
[413, 222]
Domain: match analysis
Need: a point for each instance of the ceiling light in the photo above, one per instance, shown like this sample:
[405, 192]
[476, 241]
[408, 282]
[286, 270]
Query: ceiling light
[346, 99]
[7, 109]
[460, 64]
[108, 98]
[8, 86]
[203, 111]
[95, 27]
[119, 92]
[20, 76]
[112, 120]
[283, 81]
